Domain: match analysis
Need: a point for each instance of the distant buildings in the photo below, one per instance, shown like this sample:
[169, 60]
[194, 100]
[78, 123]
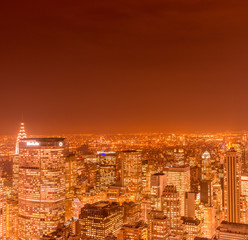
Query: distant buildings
[3, 205]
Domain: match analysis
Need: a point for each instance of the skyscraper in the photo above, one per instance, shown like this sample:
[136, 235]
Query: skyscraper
[100, 219]
[41, 188]
[232, 184]
[131, 171]
[21, 135]
[158, 183]
[179, 177]
[170, 204]
[107, 169]
[158, 228]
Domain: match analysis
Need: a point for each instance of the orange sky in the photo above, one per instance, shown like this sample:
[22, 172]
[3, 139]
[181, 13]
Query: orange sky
[123, 66]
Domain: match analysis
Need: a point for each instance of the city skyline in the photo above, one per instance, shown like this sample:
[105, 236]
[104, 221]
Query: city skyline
[111, 67]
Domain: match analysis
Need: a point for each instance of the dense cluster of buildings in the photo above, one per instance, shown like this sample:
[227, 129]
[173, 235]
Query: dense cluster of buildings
[136, 188]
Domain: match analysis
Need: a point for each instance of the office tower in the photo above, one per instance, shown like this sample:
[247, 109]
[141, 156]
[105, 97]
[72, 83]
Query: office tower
[190, 204]
[145, 209]
[157, 226]
[76, 208]
[3, 204]
[232, 231]
[179, 156]
[70, 183]
[131, 212]
[41, 189]
[232, 182]
[244, 185]
[206, 167]
[131, 171]
[218, 203]
[135, 231]
[145, 177]
[179, 177]
[243, 209]
[107, 169]
[101, 218]
[209, 221]
[206, 192]
[193, 227]
[170, 204]
[157, 185]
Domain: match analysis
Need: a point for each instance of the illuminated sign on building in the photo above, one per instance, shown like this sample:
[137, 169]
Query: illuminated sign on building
[33, 143]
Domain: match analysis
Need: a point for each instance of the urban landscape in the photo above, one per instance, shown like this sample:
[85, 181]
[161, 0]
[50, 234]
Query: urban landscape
[123, 120]
[124, 186]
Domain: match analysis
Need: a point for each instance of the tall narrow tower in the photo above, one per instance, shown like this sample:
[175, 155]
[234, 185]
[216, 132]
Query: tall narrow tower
[232, 182]
[21, 135]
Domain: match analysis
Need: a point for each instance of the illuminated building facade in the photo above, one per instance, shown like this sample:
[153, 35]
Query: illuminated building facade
[232, 231]
[232, 186]
[158, 228]
[107, 169]
[206, 166]
[206, 192]
[70, 183]
[136, 231]
[170, 203]
[179, 156]
[190, 204]
[180, 178]
[131, 212]
[131, 171]
[158, 183]
[100, 219]
[209, 221]
[193, 227]
[3, 204]
[41, 189]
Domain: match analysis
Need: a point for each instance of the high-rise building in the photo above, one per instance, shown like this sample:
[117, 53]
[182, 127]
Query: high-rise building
[158, 228]
[135, 231]
[190, 204]
[206, 168]
[70, 183]
[41, 188]
[170, 203]
[107, 169]
[131, 212]
[179, 156]
[131, 171]
[100, 219]
[232, 231]
[206, 192]
[179, 177]
[21, 135]
[193, 227]
[157, 185]
[3, 204]
[232, 185]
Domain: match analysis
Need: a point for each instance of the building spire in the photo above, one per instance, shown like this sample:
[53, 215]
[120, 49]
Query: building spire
[22, 134]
